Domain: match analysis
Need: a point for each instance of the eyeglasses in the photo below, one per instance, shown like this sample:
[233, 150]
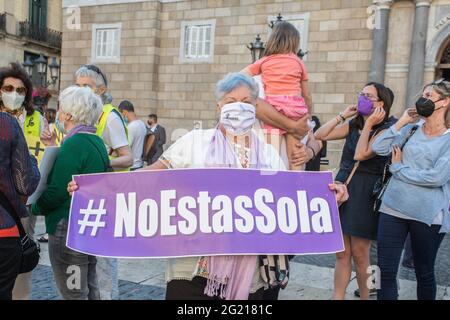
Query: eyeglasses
[97, 71]
[369, 96]
[10, 88]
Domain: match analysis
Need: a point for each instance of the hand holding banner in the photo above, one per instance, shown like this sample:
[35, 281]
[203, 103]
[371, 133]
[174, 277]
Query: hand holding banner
[201, 212]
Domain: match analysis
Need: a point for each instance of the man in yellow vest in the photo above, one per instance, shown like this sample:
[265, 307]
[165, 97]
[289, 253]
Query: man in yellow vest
[32, 128]
[35, 122]
[112, 129]
[111, 126]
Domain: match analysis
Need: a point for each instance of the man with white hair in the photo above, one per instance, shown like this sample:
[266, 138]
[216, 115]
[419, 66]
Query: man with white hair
[112, 129]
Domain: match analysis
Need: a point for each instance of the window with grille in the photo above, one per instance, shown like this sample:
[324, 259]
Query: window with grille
[106, 43]
[197, 41]
[38, 13]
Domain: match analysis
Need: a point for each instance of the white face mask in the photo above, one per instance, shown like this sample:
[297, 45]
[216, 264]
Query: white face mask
[12, 100]
[238, 118]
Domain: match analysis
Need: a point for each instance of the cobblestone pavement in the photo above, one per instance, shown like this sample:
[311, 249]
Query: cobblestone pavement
[144, 279]
[44, 288]
[442, 263]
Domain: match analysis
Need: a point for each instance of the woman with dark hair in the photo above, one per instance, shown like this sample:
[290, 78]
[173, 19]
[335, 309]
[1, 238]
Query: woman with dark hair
[20, 106]
[360, 169]
[19, 174]
[16, 99]
[15, 102]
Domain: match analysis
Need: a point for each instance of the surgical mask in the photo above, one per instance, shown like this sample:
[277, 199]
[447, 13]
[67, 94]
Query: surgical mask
[59, 125]
[365, 105]
[238, 118]
[425, 107]
[12, 100]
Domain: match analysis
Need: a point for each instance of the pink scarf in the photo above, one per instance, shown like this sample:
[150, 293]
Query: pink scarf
[230, 277]
[81, 128]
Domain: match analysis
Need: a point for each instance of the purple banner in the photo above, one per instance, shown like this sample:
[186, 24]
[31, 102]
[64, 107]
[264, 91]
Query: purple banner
[200, 212]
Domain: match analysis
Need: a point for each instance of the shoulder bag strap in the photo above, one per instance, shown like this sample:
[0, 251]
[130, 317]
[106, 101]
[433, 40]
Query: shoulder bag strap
[105, 163]
[410, 134]
[352, 173]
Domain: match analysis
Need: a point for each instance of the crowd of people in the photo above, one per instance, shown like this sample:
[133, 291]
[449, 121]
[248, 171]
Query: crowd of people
[393, 181]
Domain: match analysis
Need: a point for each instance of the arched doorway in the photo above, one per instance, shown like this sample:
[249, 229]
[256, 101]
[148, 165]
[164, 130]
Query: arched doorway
[443, 61]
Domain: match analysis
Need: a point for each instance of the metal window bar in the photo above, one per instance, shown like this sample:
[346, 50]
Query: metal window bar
[45, 35]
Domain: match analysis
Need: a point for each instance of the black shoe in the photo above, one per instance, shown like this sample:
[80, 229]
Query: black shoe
[408, 264]
[372, 292]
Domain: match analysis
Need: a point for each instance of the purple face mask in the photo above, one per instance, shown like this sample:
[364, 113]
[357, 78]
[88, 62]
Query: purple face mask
[365, 105]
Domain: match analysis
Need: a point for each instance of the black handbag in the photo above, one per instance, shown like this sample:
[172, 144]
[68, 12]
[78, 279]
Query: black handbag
[381, 185]
[30, 249]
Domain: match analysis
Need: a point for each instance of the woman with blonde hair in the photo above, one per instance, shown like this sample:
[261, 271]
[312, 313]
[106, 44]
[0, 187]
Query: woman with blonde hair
[417, 197]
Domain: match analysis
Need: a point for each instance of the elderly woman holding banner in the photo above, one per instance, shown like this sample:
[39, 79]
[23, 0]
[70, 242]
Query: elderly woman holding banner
[81, 152]
[232, 144]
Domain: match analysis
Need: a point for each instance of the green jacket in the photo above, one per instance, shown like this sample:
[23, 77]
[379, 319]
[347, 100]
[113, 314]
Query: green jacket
[81, 154]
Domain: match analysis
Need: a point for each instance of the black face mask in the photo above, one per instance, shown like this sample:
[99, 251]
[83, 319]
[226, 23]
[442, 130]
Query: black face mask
[425, 107]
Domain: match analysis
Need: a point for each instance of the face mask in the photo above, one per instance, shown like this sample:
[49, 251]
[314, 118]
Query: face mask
[12, 100]
[237, 118]
[425, 107]
[59, 125]
[365, 105]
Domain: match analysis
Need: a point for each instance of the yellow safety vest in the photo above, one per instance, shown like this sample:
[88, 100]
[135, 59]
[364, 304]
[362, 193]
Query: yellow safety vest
[59, 135]
[32, 132]
[101, 125]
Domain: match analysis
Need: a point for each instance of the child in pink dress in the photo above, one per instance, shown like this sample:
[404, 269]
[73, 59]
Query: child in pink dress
[284, 77]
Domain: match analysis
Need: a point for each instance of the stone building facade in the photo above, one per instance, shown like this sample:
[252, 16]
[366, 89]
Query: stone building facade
[29, 28]
[166, 55]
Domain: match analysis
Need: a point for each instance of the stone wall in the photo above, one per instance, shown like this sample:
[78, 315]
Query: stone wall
[135, 77]
[12, 47]
[151, 75]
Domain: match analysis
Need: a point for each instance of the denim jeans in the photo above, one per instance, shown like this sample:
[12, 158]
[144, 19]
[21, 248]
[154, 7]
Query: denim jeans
[10, 257]
[107, 274]
[74, 272]
[425, 242]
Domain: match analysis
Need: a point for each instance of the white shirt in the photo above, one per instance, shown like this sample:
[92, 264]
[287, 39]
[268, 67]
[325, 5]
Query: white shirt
[153, 128]
[137, 131]
[190, 151]
[114, 135]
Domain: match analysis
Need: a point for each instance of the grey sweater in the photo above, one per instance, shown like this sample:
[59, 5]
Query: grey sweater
[420, 184]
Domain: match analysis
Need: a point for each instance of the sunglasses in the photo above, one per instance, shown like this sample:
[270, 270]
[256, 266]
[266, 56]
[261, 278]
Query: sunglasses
[441, 83]
[97, 71]
[10, 88]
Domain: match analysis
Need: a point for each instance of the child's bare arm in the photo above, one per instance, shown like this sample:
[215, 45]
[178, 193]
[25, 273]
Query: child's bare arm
[247, 71]
[307, 95]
